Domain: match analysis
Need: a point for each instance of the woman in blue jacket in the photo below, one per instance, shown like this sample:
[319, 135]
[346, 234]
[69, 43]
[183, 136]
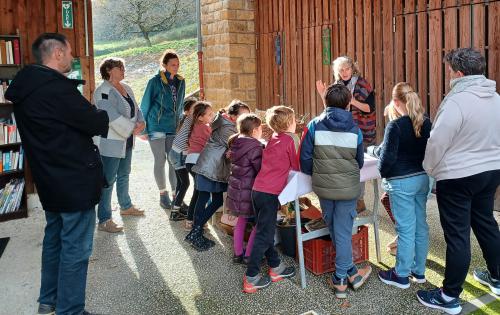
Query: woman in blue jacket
[162, 106]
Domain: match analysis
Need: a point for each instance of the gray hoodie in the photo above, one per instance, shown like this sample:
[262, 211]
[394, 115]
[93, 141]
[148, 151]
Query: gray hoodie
[465, 137]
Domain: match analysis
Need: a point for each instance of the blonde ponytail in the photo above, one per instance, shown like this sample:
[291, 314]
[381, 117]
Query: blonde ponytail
[405, 93]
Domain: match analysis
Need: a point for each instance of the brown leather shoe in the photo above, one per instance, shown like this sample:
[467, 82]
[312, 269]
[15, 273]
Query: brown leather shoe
[360, 205]
[132, 211]
[110, 226]
[359, 278]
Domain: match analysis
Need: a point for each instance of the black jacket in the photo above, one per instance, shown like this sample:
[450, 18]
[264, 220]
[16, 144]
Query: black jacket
[56, 124]
[402, 153]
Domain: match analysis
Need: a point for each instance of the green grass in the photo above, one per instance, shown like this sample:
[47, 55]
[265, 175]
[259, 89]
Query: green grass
[492, 308]
[109, 47]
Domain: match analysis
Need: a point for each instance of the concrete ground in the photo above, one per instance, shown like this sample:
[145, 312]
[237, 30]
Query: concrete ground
[148, 269]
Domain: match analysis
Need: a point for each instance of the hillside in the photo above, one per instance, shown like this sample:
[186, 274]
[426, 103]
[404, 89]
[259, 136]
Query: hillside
[142, 63]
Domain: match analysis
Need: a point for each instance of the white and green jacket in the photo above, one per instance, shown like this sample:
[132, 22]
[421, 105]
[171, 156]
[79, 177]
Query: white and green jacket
[121, 125]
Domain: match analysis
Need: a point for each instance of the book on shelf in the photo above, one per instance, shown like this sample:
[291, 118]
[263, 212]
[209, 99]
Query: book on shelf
[4, 84]
[12, 160]
[10, 52]
[11, 196]
[8, 131]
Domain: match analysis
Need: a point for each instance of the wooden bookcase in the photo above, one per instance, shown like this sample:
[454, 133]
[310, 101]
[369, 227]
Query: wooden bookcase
[8, 72]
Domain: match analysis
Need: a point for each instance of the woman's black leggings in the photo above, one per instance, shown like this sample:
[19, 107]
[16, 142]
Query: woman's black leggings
[203, 212]
[192, 203]
[182, 176]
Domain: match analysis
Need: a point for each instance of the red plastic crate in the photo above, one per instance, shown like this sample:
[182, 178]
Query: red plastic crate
[319, 254]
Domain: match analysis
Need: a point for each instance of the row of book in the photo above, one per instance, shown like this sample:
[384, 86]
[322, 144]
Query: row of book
[12, 160]
[4, 84]
[11, 196]
[8, 130]
[10, 52]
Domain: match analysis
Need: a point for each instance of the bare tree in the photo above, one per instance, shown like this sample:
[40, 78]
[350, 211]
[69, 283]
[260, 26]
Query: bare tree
[150, 16]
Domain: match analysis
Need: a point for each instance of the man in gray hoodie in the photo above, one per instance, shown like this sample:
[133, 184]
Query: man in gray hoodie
[463, 155]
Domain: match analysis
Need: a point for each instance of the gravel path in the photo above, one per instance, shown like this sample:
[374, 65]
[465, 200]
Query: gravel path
[148, 269]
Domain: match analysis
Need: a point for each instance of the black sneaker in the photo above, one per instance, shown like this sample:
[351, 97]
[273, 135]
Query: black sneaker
[200, 244]
[45, 309]
[484, 277]
[288, 272]
[184, 208]
[391, 278]
[252, 285]
[417, 278]
[177, 216]
[433, 299]
[189, 238]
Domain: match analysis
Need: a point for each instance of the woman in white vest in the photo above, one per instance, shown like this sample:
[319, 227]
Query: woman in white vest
[125, 121]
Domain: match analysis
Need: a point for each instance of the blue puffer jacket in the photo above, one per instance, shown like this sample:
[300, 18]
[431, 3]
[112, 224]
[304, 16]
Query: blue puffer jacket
[157, 105]
[332, 152]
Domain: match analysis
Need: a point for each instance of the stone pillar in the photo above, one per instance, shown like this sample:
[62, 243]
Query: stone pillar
[228, 29]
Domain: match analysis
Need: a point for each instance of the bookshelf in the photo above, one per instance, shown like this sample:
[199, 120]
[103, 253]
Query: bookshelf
[10, 64]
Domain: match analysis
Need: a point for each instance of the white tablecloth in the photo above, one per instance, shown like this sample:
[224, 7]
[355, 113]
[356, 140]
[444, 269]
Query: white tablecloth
[300, 184]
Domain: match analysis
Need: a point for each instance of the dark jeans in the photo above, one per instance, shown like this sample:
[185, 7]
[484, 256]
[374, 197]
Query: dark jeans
[182, 176]
[192, 203]
[203, 212]
[67, 246]
[266, 208]
[464, 203]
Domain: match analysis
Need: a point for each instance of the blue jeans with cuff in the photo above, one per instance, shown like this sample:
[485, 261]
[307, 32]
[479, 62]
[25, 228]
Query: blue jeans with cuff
[408, 197]
[339, 217]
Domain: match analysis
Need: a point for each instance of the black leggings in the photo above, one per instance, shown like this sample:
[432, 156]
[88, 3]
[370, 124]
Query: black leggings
[182, 176]
[192, 203]
[203, 212]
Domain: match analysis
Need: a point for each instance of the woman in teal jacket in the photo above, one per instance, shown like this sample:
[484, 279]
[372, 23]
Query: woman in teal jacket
[162, 106]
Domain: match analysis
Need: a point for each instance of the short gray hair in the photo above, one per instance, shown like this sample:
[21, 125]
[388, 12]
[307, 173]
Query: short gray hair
[466, 60]
[44, 45]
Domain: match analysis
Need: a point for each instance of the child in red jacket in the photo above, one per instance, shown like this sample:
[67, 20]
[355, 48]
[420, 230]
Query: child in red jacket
[246, 156]
[278, 159]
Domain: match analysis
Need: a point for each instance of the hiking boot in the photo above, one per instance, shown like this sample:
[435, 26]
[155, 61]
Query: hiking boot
[252, 284]
[188, 225]
[391, 278]
[357, 277]
[165, 201]
[110, 226]
[281, 272]
[417, 278]
[434, 299]
[177, 216]
[45, 309]
[133, 211]
[360, 205]
[339, 286]
[484, 277]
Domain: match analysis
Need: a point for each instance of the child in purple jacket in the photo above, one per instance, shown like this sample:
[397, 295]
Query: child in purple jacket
[246, 156]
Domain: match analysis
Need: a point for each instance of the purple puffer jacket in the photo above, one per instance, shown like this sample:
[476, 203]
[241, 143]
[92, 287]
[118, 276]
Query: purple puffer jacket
[246, 157]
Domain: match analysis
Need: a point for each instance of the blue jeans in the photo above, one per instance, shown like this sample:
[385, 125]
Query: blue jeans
[408, 197]
[115, 169]
[67, 246]
[339, 217]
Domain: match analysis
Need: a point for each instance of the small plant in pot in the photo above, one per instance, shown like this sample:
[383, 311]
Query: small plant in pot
[287, 231]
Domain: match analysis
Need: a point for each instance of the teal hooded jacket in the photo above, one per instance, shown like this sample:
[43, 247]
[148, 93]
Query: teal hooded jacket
[157, 105]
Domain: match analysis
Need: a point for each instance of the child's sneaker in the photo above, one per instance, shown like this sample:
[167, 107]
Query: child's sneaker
[281, 272]
[434, 299]
[252, 284]
[238, 259]
[357, 277]
[339, 286]
[391, 278]
[417, 278]
[484, 277]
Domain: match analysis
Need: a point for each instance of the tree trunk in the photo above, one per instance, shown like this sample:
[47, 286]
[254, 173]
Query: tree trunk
[145, 34]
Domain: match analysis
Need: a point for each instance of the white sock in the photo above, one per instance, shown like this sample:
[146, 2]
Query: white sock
[445, 297]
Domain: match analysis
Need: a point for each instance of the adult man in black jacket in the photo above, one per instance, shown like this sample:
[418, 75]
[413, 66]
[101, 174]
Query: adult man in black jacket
[56, 124]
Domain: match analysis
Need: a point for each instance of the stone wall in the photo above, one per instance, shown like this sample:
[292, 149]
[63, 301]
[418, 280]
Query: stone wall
[228, 30]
